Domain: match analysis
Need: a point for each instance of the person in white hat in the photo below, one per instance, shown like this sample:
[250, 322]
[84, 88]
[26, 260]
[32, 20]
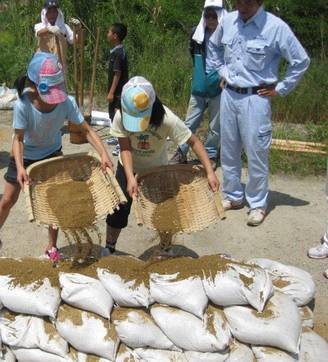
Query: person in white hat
[205, 92]
[142, 127]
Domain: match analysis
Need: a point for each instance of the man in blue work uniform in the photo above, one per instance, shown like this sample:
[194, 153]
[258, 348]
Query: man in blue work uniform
[247, 48]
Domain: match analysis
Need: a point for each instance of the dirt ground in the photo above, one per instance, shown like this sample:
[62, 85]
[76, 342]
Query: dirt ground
[296, 221]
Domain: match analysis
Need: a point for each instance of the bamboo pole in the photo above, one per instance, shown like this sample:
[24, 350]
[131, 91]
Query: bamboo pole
[60, 56]
[298, 149]
[82, 38]
[297, 143]
[94, 69]
[137, 211]
[75, 66]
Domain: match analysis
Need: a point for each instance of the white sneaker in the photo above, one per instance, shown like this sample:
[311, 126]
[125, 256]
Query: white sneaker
[231, 205]
[319, 252]
[255, 217]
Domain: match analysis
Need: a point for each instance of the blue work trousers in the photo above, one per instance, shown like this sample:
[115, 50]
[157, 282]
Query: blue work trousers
[245, 124]
[195, 113]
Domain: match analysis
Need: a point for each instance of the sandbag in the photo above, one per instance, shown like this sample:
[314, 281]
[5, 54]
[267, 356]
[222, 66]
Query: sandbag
[307, 316]
[31, 332]
[126, 281]
[227, 282]
[7, 355]
[157, 355]
[313, 347]
[270, 354]
[87, 332]
[176, 284]
[295, 282]
[25, 289]
[125, 354]
[136, 329]
[37, 355]
[85, 293]
[240, 352]
[205, 357]
[279, 325]
[75, 356]
[191, 333]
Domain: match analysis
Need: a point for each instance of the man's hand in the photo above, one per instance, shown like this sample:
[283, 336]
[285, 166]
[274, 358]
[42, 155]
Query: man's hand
[22, 177]
[268, 91]
[75, 22]
[222, 83]
[54, 29]
[106, 162]
[110, 97]
[213, 181]
[132, 187]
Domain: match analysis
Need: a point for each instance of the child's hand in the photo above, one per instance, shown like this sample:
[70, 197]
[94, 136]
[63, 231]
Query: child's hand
[106, 162]
[213, 182]
[110, 97]
[22, 177]
[132, 187]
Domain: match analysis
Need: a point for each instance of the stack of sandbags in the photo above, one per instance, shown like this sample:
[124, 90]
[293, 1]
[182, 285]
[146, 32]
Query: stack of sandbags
[191, 310]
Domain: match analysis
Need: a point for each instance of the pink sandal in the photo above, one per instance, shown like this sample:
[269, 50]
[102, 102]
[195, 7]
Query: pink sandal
[53, 255]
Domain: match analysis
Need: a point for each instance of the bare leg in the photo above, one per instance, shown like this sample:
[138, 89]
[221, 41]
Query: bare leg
[112, 235]
[52, 235]
[8, 200]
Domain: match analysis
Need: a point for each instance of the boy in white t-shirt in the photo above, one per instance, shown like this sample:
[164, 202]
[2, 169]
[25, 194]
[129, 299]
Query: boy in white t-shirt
[142, 128]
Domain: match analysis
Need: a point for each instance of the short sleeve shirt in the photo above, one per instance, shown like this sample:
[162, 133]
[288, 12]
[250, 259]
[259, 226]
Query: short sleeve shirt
[118, 63]
[42, 131]
[149, 148]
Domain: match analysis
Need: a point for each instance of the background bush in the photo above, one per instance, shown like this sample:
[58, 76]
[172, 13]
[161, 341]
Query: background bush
[157, 46]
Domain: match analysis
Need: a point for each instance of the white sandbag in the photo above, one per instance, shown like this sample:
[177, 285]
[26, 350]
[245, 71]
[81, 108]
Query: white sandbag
[75, 356]
[187, 294]
[7, 355]
[87, 332]
[279, 325]
[191, 333]
[39, 298]
[85, 293]
[233, 283]
[126, 280]
[270, 354]
[205, 357]
[240, 352]
[31, 332]
[37, 355]
[136, 329]
[290, 280]
[313, 347]
[125, 354]
[307, 316]
[157, 355]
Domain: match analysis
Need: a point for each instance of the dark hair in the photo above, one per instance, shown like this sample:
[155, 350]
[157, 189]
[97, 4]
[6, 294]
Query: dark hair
[19, 84]
[120, 30]
[157, 114]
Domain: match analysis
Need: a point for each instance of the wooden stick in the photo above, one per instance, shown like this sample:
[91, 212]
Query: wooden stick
[75, 65]
[218, 204]
[94, 68]
[60, 56]
[137, 211]
[298, 149]
[82, 34]
[298, 143]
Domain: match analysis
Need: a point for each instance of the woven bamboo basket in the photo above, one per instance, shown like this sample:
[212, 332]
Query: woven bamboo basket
[176, 198]
[71, 191]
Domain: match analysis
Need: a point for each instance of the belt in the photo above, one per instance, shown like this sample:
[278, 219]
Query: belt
[250, 90]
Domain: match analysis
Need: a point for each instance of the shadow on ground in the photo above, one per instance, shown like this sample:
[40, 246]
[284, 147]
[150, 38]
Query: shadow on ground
[280, 199]
[4, 159]
[174, 252]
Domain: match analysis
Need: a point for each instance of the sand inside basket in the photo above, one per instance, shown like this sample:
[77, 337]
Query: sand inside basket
[72, 204]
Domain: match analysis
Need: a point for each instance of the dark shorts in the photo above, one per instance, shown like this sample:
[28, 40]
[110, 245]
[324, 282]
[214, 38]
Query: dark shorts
[116, 104]
[11, 174]
[119, 219]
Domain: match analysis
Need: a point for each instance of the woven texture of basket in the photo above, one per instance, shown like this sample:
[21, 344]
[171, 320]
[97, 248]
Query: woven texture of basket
[71, 191]
[176, 198]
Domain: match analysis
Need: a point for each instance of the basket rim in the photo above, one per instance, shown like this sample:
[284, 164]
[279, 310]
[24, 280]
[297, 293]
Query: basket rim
[37, 164]
[175, 167]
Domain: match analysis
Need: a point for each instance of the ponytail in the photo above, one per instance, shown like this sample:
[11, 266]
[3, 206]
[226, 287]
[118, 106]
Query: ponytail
[20, 84]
